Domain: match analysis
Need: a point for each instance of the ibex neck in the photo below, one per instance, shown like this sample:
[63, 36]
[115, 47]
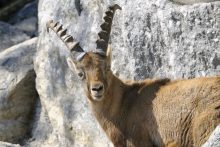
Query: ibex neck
[110, 106]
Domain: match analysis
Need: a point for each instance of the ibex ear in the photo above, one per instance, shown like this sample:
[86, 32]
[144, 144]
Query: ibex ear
[109, 55]
[71, 64]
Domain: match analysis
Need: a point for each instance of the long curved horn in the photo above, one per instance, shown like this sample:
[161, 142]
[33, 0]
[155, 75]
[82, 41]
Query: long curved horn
[74, 47]
[104, 34]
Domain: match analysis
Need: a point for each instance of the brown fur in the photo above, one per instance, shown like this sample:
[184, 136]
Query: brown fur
[180, 113]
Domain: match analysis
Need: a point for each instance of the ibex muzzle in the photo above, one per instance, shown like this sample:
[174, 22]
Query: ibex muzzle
[97, 90]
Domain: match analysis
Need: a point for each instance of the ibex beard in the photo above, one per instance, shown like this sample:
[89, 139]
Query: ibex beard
[148, 113]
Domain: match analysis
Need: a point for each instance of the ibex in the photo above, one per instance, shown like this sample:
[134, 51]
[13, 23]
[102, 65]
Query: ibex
[148, 113]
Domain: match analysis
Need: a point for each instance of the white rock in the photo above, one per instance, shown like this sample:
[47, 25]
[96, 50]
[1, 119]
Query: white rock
[193, 1]
[10, 36]
[29, 26]
[214, 139]
[6, 144]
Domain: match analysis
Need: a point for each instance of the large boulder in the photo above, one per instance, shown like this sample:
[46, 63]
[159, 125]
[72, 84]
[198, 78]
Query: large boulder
[26, 19]
[9, 7]
[29, 26]
[29, 10]
[149, 39]
[9, 36]
[15, 62]
[18, 95]
[17, 110]
[188, 2]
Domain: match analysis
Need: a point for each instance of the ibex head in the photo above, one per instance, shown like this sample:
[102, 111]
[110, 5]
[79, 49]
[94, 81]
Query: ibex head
[93, 68]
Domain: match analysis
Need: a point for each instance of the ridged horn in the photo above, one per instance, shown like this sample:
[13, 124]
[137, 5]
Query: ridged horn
[76, 51]
[104, 34]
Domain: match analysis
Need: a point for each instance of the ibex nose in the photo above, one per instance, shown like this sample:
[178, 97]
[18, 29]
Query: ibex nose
[97, 87]
[97, 90]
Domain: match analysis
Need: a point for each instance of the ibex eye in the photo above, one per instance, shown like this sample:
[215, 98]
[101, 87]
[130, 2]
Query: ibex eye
[81, 75]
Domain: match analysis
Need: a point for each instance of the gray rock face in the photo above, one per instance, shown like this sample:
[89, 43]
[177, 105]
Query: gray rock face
[29, 10]
[193, 1]
[10, 36]
[214, 139]
[26, 19]
[29, 26]
[149, 39]
[17, 110]
[17, 91]
[10, 7]
[16, 61]
[6, 144]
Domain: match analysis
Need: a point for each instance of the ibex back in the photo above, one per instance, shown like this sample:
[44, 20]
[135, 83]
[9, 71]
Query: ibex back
[147, 113]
